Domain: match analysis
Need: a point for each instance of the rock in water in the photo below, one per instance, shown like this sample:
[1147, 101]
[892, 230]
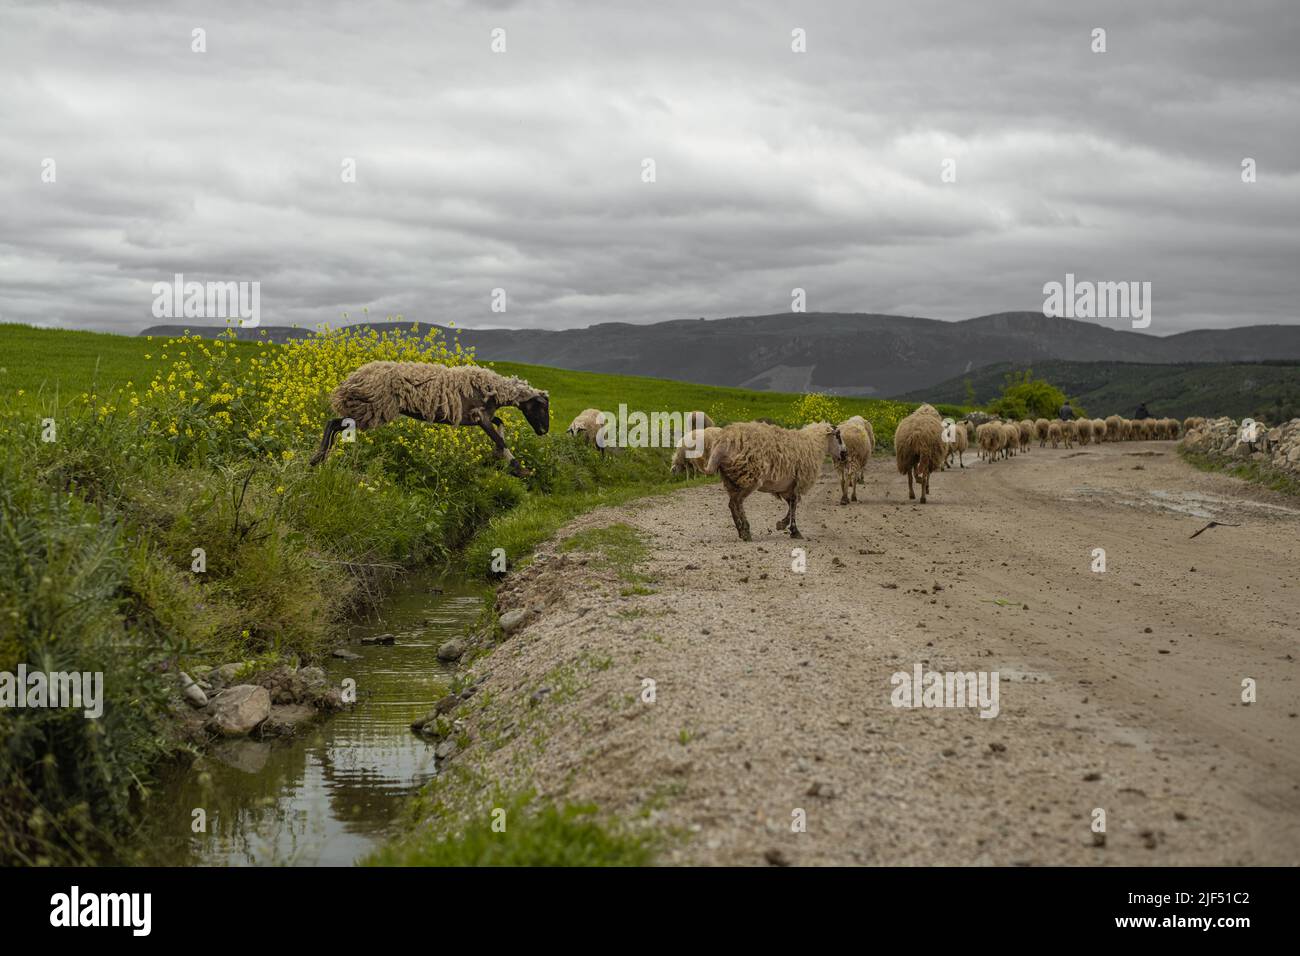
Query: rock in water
[237, 711]
[453, 650]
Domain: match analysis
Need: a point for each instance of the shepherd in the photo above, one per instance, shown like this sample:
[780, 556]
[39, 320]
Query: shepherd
[378, 392]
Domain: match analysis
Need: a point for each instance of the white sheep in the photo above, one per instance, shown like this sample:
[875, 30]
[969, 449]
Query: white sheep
[590, 424]
[919, 449]
[693, 450]
[750, 456]
[857, 446]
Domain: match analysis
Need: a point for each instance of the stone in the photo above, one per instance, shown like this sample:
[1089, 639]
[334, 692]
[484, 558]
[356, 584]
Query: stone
[511, 621]
[453, 650]
[385, 639]
[286, 720]
[192, 692]
[237, 711]
[346, 655]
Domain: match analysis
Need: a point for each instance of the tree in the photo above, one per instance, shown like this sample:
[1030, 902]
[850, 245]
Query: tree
[1024, 396]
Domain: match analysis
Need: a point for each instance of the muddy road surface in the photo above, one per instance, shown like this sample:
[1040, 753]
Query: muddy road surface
[771, 735]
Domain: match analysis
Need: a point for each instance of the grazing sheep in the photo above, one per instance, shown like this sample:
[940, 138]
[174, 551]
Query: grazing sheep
[1114, 428]
[1041, 426]
[990, 439]
[589, 424]
[918, 448]
[857, 445]
[1026, 434]
[1083, 429]
[1055, 433]
[694, 448]
[750, 457]
[696, 420]
[468, 395]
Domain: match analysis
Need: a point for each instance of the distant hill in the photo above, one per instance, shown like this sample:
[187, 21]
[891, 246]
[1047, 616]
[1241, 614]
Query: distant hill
[844, 353]
[1269, 391]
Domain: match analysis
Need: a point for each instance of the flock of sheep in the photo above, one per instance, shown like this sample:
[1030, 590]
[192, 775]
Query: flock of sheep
[747, 456]
[762, 456]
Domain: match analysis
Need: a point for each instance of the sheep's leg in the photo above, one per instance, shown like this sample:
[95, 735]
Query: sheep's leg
[959, 458]
[910, 493]
[854, 486]
[332, 428]
[794, 528]
[923, 479]
[736, 496]
[500, 450]
[844, 486]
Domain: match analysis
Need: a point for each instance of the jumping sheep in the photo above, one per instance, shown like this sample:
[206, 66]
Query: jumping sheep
[466, 395]
[750, 457]
[918, 448]
[694, 448]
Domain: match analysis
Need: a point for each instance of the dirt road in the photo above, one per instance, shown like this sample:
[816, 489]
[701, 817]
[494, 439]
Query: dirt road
[1119, 691]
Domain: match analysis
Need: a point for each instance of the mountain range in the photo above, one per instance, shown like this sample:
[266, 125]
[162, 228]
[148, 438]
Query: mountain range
[840, 353]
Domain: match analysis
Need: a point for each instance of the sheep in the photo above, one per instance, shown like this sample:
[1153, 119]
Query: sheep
[590, 424]
[1026, 434]
[696, 420]
[1010, 439]
[918, 448]
[1083, 429]
[1114, 428]
[1194, 422]
[1069, 432]
[1146, 429]
[1098, 430]
[750, 457]
[1042, 427]
[693, 450]
[858, 444]
[970, 432]
[990, 439]
[466, 395]
[1126, 429]
[957, 446]
[1172, 425]
[1055, 433]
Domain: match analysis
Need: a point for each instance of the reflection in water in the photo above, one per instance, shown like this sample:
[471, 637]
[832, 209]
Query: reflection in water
[331, 794]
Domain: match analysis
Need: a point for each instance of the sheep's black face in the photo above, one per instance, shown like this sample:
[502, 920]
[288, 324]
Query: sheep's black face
[538, 412]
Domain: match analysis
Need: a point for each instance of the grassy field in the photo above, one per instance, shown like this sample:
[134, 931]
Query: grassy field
[157, 513]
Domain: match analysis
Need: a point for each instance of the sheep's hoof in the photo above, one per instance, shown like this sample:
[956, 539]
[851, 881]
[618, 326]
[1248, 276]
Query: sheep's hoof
[794, 533]
[844, 500]
[746, 536]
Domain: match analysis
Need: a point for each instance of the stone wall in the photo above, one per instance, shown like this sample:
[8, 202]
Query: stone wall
[1277, 447]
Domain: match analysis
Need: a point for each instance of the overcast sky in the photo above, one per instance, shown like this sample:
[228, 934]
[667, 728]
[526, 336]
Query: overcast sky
[523, 170]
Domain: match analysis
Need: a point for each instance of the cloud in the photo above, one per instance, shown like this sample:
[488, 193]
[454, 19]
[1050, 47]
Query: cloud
[522, 170]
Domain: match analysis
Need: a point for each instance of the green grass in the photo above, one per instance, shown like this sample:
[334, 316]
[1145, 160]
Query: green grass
[108, 517]
[534, 834]
[1252, 471]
